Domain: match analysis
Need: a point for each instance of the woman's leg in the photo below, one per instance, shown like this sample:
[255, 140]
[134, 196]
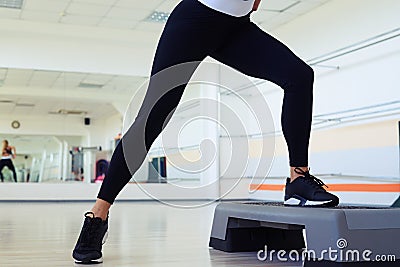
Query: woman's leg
[185, 39]
[7, 163]
[191, 33]
[257, 54]
[1, 170]
[11, 167]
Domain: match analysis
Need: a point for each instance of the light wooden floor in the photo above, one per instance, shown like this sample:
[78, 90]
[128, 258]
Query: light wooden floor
[141, 234]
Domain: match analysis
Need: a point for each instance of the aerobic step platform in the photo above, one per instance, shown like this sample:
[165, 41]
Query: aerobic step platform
[250, 226]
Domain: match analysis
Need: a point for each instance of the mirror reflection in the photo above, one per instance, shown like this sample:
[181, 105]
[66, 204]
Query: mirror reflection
[60, 126]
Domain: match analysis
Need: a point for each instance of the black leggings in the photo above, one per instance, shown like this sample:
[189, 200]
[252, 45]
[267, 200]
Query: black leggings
[9, 164]
[192, 33]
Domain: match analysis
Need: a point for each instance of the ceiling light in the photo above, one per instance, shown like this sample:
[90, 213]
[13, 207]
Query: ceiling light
[68, 112]
[17, 4]
[160, 17]
[24, 105]
[6, 101]
[90, 85]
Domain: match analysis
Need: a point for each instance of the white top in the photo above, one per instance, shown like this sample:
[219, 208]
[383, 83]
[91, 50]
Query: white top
[235, 8]
[6, 157]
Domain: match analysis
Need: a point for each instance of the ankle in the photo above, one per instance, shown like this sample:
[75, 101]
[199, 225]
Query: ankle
[100, 209]
[294, 175]
[100, 214]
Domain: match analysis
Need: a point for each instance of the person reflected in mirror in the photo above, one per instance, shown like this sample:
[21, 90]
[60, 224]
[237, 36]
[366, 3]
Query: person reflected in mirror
[7, 154]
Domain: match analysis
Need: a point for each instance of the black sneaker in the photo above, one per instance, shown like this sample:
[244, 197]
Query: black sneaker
[93, 236]
[308, 190]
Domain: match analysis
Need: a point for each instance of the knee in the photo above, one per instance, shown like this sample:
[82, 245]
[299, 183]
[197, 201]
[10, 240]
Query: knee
[308, 74]
[301, 78]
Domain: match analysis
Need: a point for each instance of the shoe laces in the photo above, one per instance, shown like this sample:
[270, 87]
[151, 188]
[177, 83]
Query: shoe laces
[91, 228]
[311, 179]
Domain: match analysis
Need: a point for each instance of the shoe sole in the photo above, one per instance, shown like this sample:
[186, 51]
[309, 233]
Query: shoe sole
[299, 201]
[97, 261]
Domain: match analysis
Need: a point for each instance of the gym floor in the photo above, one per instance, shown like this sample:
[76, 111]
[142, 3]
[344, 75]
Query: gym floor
[141, 234]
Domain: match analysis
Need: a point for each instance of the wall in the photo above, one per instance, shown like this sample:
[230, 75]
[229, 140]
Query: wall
[35, 45]
[365, 78]
[370, 150]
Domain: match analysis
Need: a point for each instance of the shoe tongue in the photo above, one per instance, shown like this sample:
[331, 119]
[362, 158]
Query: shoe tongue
[89, 214]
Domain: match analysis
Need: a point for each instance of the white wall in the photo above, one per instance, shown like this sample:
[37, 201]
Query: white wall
[44, 46]
[365, 78]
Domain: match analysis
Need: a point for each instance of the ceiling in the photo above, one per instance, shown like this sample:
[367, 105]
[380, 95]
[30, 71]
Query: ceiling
[40, 92]
[50, 106]
[133, 14]
[60, 80]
